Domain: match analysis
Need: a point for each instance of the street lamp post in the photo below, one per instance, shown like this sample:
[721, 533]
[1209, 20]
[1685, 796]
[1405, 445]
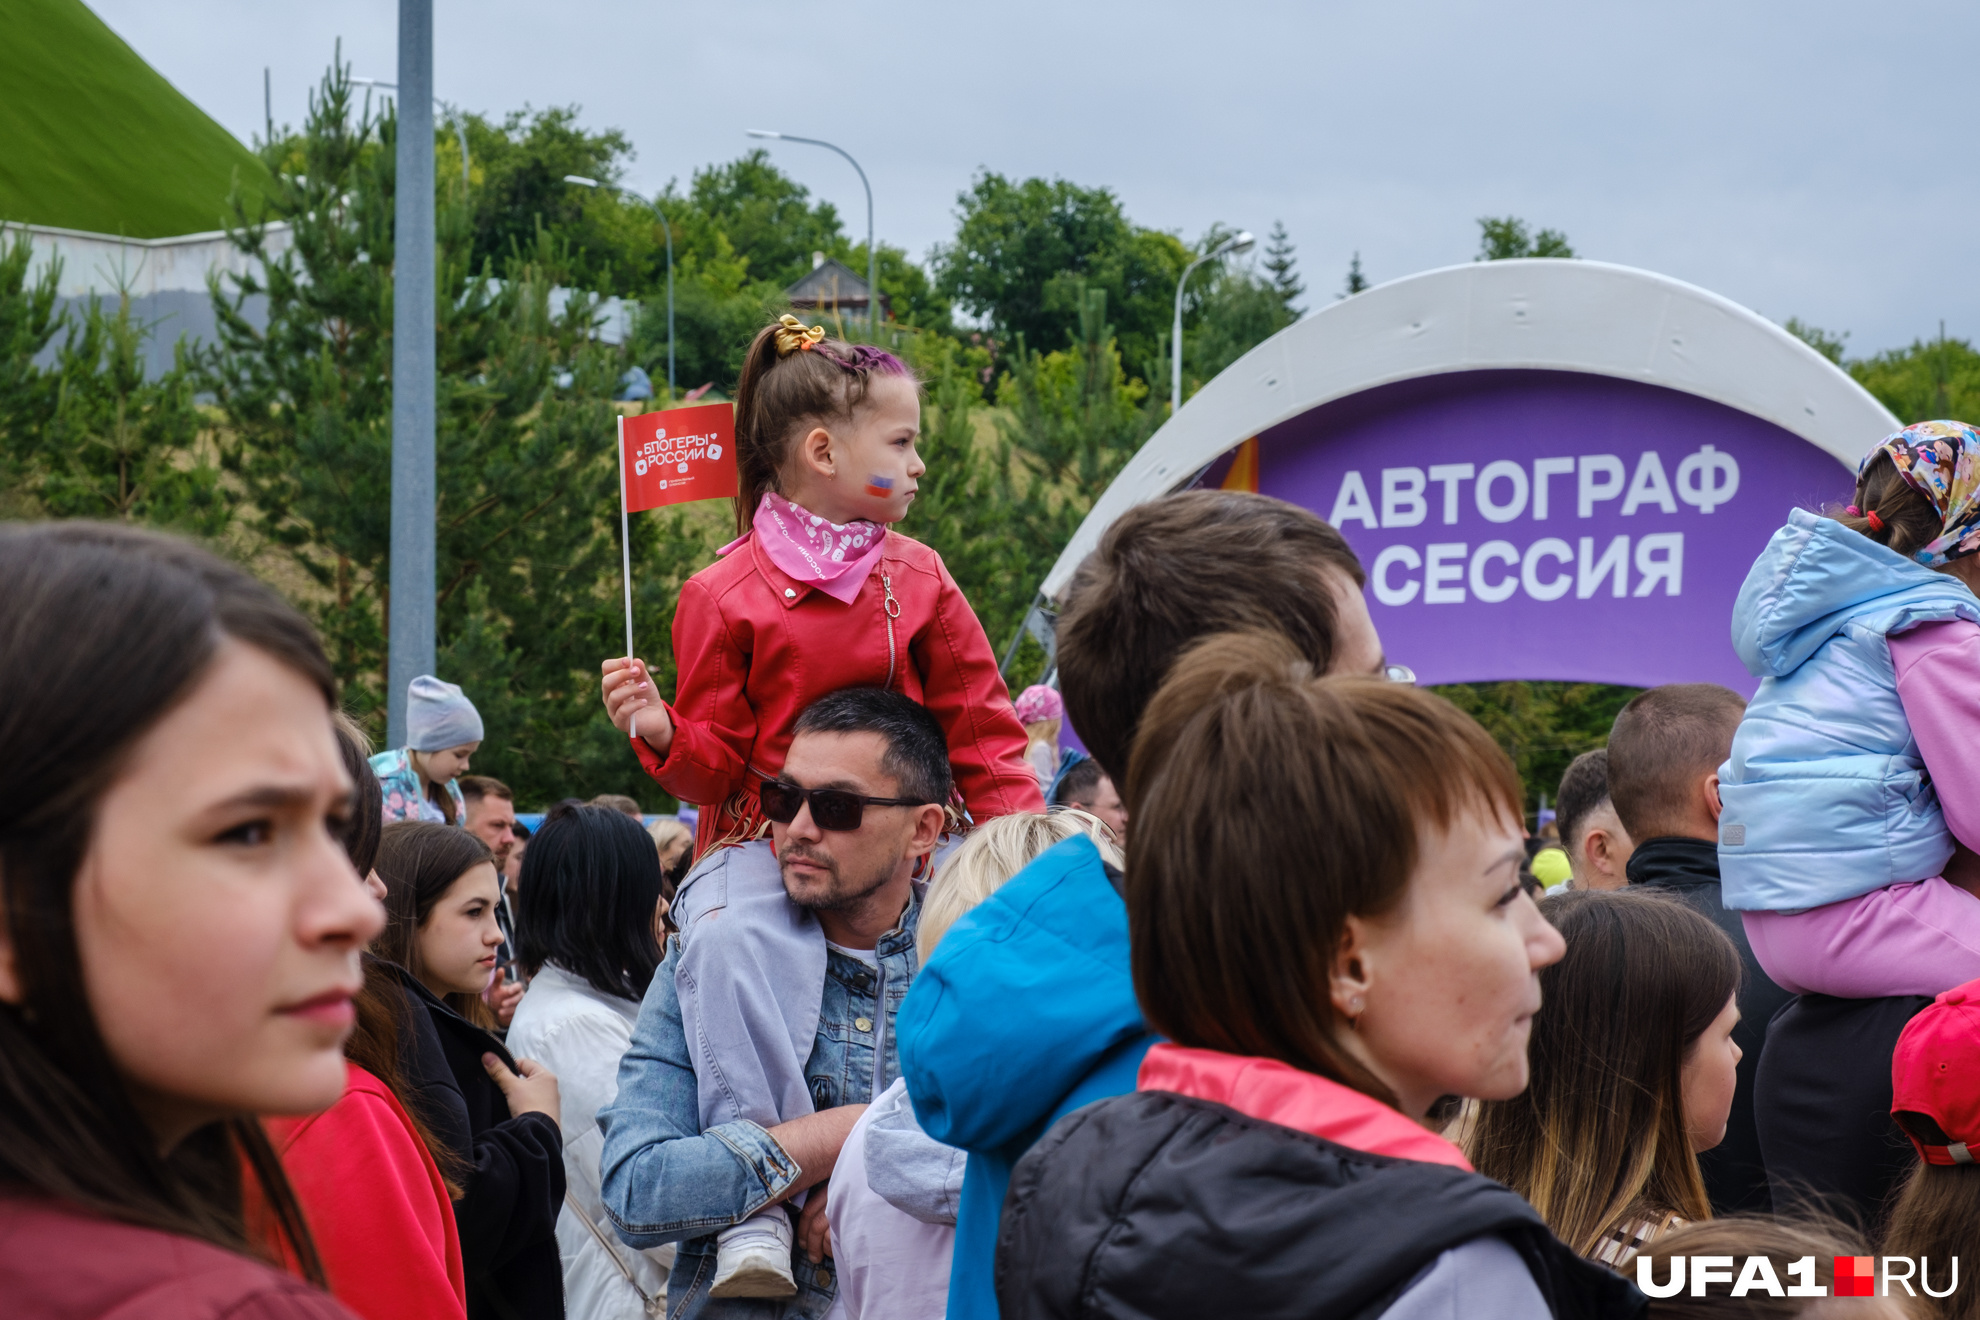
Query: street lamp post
[1230, 247]
[872, 253]
[666, 229]
[410, 647]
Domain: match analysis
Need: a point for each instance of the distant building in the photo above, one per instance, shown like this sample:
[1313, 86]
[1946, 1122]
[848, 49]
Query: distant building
[831, 286]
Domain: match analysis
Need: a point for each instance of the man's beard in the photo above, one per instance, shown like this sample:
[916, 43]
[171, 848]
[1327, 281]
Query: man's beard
[838, 892]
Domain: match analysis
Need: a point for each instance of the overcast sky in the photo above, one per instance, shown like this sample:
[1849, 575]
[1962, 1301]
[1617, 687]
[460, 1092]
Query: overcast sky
[1811, 159]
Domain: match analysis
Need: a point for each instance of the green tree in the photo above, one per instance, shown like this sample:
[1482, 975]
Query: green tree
[526, 508]
[768, 216]
[1542, 726]
[1507, 236]
[1236, 312]
[122, 447]
[1069, 422]
[1828, 345]
[1935, 378]
[31, 317]
[1356, 282]
[1283, 265]
[518, 187]
[1026, 252]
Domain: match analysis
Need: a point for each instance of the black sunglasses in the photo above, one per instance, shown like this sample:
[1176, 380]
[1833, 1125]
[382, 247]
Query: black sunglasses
[831, 808]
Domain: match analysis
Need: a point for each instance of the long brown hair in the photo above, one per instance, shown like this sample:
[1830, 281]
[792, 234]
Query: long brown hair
[784, 385]
[1598, 1138]
[419, 860]
[1269, 806]
[1936, 1216]
[103, 630]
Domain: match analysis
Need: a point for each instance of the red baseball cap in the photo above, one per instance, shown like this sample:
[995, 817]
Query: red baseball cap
[1935, 1071]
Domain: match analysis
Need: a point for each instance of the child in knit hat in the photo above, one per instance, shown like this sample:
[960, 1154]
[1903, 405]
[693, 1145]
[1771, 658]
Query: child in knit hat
[443, 730]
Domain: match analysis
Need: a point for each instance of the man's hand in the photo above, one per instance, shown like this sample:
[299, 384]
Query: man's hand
[813, 1143]
[814, 1233]
[628, 692]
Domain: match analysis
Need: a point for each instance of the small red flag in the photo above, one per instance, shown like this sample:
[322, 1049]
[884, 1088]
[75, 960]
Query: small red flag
[678, 455]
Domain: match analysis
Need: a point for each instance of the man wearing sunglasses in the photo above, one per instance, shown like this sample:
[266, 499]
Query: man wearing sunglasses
[1026, 1011]
[735, 1096]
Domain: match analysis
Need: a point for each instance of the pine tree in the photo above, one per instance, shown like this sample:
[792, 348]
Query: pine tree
[1356, 281]
[1280, 261]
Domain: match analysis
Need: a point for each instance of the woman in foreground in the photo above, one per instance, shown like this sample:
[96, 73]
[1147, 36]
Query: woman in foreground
[182, 927]
[1633, 1071]
[1365, 949]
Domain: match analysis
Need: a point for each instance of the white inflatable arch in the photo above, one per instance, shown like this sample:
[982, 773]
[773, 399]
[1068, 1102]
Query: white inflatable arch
[1554, 315]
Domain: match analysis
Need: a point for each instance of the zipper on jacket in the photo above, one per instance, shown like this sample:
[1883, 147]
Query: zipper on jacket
[892, 609]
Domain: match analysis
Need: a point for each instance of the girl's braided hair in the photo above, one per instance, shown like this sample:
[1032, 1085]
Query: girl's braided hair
[793, 375]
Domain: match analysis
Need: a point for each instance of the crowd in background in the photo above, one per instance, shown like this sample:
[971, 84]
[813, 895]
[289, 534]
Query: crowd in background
[1257, 1003]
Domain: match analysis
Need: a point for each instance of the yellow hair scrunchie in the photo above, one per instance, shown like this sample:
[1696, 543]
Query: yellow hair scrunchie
[793, 335]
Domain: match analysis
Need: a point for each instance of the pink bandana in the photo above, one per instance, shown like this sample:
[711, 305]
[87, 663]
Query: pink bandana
[834, 557]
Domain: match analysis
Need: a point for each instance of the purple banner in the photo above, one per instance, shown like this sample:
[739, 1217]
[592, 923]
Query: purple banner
[1549, 525]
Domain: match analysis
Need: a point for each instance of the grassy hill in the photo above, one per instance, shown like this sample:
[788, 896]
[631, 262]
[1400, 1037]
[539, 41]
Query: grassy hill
[92, 137]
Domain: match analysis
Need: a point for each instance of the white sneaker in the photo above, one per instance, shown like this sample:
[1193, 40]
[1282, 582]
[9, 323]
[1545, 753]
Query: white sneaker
[753, 1258]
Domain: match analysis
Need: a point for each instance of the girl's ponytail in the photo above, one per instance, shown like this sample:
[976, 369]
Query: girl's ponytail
[757, 456]
[1890, 510]
[791, 375]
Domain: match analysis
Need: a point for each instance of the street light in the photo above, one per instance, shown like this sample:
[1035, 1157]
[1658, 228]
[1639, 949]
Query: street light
[410, 616]
[872, 253]
[1241, 241]
[583, 182]
[460, 121]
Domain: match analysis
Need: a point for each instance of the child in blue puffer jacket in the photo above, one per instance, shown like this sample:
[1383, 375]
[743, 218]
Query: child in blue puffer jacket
[1852, 798]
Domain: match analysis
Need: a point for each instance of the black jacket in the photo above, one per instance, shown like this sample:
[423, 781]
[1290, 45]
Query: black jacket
[1735, 1170]
[1823, 1101]
[507, 1214]
[1154, 1205]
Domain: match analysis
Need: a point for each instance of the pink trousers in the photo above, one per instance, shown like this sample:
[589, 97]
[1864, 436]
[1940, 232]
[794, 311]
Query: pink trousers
[1909, 939]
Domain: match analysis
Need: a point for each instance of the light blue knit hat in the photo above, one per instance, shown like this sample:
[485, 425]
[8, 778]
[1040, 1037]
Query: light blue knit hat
[439, 716]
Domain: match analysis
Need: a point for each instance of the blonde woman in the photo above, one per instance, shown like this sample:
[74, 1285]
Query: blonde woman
[1632, 1074]
[894, 1190]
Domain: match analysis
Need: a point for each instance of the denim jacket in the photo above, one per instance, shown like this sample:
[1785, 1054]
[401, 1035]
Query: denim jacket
[665, 1180]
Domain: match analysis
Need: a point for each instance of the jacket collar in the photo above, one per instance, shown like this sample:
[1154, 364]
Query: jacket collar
[1672, 860]
[443, 1014]
[1279, 1093]
[789, 591]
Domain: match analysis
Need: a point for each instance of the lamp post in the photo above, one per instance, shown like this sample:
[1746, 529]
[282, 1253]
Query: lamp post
[1241, 241]
[872, 253]
[460, 122]
[666, 229]
[410, 649]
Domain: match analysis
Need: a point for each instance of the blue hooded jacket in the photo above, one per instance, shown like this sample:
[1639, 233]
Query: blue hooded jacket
[1024, 1013]
[1826, 797]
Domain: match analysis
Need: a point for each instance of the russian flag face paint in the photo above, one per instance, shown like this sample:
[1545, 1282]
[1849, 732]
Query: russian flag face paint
[879, 487]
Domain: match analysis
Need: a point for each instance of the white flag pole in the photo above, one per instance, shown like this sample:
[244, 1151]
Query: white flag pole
[625, 553]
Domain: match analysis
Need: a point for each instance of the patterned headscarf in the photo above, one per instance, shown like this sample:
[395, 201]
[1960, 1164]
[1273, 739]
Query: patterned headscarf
[1940, 460]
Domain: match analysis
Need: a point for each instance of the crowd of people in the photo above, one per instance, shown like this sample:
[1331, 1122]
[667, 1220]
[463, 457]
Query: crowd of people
[1253, 1000]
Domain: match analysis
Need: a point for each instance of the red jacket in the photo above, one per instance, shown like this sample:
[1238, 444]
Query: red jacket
[753, 647]
[61, 1263]
[376, 1205]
